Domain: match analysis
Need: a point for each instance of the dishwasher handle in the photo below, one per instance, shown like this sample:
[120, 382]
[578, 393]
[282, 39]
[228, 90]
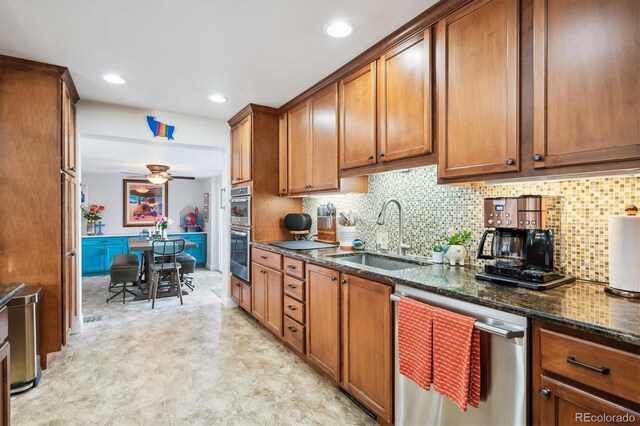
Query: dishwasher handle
[482, 326]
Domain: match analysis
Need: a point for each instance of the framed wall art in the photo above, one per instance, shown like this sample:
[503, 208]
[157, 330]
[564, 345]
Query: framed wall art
[143, 202]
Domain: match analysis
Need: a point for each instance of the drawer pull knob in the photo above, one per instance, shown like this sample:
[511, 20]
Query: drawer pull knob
[510, 161]
[545, 393]
[537, 157]
[263, 257]
[291, 286]
[600, 370]
[344, 282]
[291, 267]
[370, 157]
[334, 278]
[291, 329]
[291, 308]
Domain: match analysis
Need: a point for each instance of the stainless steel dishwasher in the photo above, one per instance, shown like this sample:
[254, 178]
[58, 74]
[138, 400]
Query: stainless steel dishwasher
[503, 400]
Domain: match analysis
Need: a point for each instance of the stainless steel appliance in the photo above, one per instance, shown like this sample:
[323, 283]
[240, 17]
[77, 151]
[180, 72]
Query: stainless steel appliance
[23, 339]
[520, 245]
[240, 257]
[240, 208]
[503, 399]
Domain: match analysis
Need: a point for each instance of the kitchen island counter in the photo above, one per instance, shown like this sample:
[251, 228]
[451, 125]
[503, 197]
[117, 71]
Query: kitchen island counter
[579, 305]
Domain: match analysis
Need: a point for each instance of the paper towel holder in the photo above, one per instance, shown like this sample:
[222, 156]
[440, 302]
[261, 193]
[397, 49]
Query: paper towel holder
[629, 210]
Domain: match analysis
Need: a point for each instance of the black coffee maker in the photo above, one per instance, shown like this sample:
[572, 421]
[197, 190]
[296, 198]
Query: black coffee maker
[520, 245]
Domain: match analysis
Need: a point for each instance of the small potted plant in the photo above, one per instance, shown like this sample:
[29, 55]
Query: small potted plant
[455, 251]
[92, 213]
[438, 254]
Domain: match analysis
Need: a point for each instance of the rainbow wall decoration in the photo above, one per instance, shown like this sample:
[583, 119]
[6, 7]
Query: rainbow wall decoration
[160, 129]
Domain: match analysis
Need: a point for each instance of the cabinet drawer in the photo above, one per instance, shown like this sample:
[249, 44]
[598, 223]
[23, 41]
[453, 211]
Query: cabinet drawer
[4, 324]
[294, 309]
[293, 267]
[266, 258]
[294, 334]
[608, 369]
[294, 288]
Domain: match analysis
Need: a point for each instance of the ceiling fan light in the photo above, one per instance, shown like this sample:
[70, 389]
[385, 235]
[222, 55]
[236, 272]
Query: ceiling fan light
[157, 179]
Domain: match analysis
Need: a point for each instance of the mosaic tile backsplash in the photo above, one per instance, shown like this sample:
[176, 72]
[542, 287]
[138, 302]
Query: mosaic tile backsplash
[577, 212]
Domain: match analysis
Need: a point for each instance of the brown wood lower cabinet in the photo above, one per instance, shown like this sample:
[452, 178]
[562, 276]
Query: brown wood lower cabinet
[323, 319]
[5, 374]
[580, 378]
[367, 343]
[266, 297]
[241, 293]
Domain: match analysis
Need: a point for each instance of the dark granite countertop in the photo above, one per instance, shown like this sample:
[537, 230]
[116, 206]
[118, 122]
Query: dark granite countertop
[8, 291]
[580, 305]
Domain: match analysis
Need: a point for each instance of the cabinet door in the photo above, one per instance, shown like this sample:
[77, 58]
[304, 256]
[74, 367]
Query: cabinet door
[245, 149]
[245, 296]
[236, 153]
[562, 404]
[282, 155]
[323, 319]
[299, 169]
[404, 99]
[68, 149]
[5, 382]
[358, 118]
[324, 139]
[68, 255]
[114, 249]
[586, 82]
[258, 291]
[477, 78]
[235, 289]
[92, 259]
[367, 342]
[273, 318]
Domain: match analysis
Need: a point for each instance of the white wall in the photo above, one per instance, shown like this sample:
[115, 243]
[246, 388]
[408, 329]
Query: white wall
[107, 190]
[99, 120]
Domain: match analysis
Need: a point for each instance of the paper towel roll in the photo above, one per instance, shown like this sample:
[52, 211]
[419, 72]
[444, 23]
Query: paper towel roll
[624, 253]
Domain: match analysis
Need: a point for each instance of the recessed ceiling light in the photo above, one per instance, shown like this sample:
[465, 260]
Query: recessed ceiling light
[217, 98]
[339, 29]
[114, 79]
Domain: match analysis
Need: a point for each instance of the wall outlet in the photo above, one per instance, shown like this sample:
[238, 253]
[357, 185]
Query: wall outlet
[382, 240]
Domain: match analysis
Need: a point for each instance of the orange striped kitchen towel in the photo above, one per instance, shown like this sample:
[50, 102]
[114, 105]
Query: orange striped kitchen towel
[456, 357]
[414, 341]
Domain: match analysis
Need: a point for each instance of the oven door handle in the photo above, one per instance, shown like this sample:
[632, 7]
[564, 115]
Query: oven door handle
[240, 199]
[239, 233]
[479, 325]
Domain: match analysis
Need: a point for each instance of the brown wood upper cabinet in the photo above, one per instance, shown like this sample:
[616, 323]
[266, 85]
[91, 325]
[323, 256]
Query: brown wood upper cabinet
[282, 155]
[404, 99]
[478, 79]
[241, 151]
[385, 107]
[358, 145]
[586, 82]
[367, 343]
[68, 149]
[313, 143]
[323, 319]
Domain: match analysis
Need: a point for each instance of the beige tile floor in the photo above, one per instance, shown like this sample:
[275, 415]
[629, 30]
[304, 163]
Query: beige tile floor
[200, 363]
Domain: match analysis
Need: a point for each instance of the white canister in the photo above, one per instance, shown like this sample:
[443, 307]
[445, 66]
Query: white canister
[437, 257]
[346, 237]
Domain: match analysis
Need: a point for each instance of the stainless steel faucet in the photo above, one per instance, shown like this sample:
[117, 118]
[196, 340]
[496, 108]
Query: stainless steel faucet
[402, 246]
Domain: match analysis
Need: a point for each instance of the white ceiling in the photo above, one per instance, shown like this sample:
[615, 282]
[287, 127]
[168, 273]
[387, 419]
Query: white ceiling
[175, 54]
[108, 156]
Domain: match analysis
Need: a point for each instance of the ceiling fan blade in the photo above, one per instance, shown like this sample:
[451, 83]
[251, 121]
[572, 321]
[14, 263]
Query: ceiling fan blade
[142, 177]
[132, 173]
[183, 177]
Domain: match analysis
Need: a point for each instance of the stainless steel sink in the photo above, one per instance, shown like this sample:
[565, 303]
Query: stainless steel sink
[377, 261]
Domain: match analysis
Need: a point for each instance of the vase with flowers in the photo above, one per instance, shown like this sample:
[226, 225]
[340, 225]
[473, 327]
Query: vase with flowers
[92, 213]
[162, 224]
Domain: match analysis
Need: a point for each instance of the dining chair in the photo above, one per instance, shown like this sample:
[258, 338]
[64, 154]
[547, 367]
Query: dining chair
[165, 253]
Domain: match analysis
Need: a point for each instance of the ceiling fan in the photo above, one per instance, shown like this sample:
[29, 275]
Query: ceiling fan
[159, 174]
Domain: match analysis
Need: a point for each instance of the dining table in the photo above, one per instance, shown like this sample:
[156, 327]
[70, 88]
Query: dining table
[145, 246]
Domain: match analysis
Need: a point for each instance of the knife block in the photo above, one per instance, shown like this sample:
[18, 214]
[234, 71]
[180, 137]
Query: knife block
[327, 229]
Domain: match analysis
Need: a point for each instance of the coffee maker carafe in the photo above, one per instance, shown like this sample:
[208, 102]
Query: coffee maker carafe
[520, 245]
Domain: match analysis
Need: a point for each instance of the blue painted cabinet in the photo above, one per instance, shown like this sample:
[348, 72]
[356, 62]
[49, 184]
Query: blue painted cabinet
[97, 252]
